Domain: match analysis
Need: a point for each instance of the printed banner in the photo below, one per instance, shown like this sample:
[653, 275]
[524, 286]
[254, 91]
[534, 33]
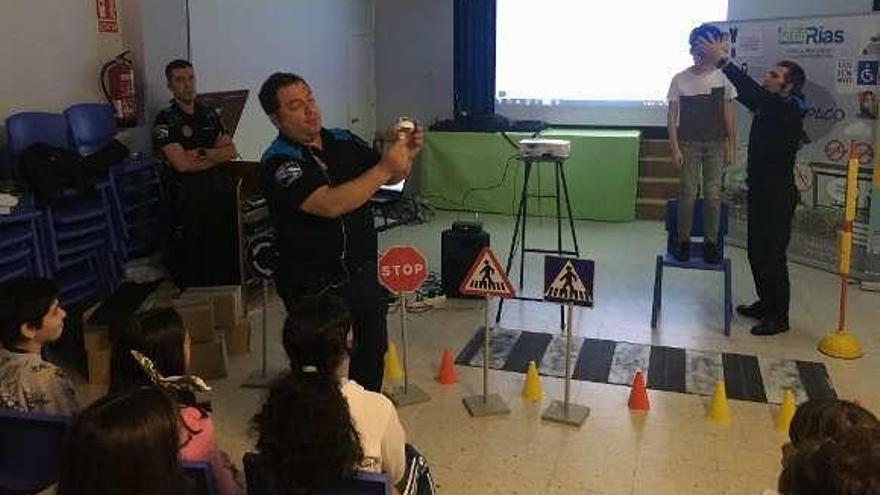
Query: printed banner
[841, 57]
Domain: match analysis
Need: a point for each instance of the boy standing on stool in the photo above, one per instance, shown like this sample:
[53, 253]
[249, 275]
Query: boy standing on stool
[700, 124]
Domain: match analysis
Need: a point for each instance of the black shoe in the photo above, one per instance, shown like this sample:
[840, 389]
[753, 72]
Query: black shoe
[753, 310]
[710, 253]
[770, 326]
[681, 250]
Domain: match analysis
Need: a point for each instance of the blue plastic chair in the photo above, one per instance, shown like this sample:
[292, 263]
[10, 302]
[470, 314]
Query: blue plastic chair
[201, 476]
[30, 450]
[363, 483]
[134, 183]
[21, 250]
[141, 204]
[27, 128]
[78, 227]
[695, 259]
[90, 127]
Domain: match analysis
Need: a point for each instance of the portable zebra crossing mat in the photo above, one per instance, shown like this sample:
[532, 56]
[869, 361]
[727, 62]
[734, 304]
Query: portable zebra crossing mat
[568, 281]
[752, 378]
[486, 278]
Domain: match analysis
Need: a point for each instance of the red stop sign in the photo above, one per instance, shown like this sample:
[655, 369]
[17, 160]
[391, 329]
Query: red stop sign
[402, 269]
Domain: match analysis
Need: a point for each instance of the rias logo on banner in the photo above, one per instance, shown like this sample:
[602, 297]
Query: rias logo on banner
[810, 35]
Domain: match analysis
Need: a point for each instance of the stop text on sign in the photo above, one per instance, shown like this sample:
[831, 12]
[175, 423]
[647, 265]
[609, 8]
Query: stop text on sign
[402, 269]
[405, 270]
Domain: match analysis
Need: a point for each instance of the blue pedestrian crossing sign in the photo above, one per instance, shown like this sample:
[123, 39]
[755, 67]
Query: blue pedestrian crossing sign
[568, 280]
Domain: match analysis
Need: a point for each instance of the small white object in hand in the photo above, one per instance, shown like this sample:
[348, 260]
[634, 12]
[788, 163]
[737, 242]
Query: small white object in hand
[405, 125]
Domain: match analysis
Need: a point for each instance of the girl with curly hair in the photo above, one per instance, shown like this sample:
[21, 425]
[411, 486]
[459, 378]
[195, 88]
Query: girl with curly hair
[317, 427]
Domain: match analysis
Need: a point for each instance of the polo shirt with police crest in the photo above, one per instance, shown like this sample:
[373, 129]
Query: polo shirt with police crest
[197, 130]
[312, 245]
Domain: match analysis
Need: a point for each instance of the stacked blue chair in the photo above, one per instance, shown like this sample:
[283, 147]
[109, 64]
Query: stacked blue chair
[134, 184]
[695, 259]
[30, 450]
[77, 228]
[27, 128]
[90, 128]
[142, 206]
[21, 253]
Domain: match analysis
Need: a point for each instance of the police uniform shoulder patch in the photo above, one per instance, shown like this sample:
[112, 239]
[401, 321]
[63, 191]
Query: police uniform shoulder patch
[287, 173]
[161, 131]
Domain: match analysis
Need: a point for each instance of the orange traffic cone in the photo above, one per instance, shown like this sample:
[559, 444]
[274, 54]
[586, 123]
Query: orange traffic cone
[638, 396]
[447, 369]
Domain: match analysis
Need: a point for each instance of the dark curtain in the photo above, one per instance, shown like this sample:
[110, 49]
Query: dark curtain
[474, 67]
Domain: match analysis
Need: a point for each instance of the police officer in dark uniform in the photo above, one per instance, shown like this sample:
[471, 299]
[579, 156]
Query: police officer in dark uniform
[203, 245]
[775, 137]
[318, 183]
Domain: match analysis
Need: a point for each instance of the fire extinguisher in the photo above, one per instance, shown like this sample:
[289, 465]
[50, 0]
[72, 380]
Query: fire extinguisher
[117, 82]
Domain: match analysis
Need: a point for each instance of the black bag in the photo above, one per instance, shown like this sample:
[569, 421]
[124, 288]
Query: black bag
[459, 247]
[106, 157]
[49, 170]
[474, 123]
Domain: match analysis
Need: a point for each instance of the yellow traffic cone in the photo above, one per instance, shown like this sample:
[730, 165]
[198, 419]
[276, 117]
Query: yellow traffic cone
[532, 387]
[393, 372]
[786, 411]
[719, 412]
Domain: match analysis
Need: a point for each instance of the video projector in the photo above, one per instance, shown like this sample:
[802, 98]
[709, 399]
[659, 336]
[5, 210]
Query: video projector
[544, 149]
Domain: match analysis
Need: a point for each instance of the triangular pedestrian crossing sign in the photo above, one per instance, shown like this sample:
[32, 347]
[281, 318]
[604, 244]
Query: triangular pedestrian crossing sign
[486, 278]
[568, 280]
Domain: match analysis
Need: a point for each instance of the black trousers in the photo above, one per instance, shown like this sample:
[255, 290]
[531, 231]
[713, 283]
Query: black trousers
[366, 301]
[203, 248]
[770, 211]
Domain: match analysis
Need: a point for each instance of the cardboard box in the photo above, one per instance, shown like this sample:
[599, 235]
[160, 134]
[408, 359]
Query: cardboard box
[208, 359]
[95, 337]
[162, 296]
[198, 319]
[99, 366]
[238, 338]
[228, 307]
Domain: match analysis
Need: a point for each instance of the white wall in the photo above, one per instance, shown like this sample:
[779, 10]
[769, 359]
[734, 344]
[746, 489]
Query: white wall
[51, 54]
[765, 9]
[155, 32]
[238, 44]
[414, 56]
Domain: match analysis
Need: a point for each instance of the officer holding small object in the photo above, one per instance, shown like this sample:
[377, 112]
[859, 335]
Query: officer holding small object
[318, 183]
